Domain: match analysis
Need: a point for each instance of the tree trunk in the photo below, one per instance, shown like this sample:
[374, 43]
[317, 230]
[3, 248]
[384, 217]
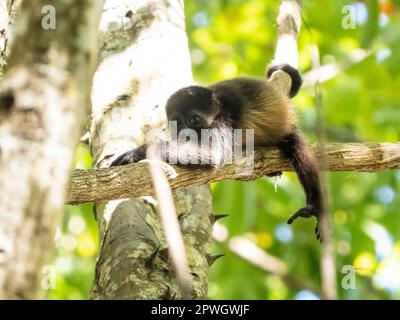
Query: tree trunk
[145, 58]
[43, 99]
[8, 12]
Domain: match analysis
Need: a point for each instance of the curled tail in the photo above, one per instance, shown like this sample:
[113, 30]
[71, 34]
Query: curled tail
[292, 72]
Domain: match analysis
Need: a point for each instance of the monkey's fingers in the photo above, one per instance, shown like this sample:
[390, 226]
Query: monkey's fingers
[308, 212]
[302, 213]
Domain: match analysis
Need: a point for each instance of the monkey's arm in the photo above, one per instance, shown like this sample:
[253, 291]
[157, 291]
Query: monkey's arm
[297, 151]
[173, 152]
[131, 156]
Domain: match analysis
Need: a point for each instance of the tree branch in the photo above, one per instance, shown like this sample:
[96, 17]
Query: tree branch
[134, 180]
[258, 257]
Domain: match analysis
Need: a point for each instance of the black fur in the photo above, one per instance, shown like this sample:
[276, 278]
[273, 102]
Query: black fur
[295, 149]
[132, 156]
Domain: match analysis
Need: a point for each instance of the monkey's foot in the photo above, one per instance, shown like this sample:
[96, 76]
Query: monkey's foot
[274, 174]
[307, 212]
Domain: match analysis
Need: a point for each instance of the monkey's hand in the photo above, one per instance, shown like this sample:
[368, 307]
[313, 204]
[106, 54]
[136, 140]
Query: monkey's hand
[132, 156]
[307, 212]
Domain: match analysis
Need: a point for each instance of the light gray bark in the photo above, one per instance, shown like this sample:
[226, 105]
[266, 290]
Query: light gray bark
[134, 180]
[8, 12]
[42, 110]
[145, 58]
[4, 30]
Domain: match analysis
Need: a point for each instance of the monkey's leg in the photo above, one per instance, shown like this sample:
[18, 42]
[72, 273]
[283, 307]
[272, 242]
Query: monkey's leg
[296, 150]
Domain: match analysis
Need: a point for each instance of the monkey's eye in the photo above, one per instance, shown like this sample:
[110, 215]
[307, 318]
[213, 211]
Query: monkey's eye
[195, 121]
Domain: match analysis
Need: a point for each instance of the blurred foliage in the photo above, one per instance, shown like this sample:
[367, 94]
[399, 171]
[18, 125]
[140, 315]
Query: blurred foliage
[229, 38]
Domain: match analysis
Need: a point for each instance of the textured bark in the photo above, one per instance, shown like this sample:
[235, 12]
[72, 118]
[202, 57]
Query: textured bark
[145, 58]
[42, 99]
[134, 180]
[8, 12]
[4, 23]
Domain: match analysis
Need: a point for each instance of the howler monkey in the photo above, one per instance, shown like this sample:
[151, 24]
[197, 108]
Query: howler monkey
[241, 103]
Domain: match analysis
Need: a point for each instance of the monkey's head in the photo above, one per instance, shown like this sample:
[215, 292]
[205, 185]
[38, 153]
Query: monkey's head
[194, 108]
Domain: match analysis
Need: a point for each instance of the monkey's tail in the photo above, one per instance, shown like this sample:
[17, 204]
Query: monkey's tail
[295, 149]
[292, 72]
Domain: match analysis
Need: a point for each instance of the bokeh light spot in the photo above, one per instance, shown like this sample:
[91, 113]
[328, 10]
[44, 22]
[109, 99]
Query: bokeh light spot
[284, 233]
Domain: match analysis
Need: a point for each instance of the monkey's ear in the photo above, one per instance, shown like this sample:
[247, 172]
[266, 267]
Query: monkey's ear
[292, 72]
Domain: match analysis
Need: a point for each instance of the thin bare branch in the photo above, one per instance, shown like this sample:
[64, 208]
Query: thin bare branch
[288, 25]
[170, 223]
[327, 263]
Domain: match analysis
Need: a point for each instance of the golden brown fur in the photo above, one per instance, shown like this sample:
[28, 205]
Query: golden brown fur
[261, 107]
[271, 116]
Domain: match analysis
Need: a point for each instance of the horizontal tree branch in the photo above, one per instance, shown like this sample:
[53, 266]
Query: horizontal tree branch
[134, 180]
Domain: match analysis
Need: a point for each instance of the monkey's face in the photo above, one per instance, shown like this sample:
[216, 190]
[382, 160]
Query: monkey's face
[193, 108]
